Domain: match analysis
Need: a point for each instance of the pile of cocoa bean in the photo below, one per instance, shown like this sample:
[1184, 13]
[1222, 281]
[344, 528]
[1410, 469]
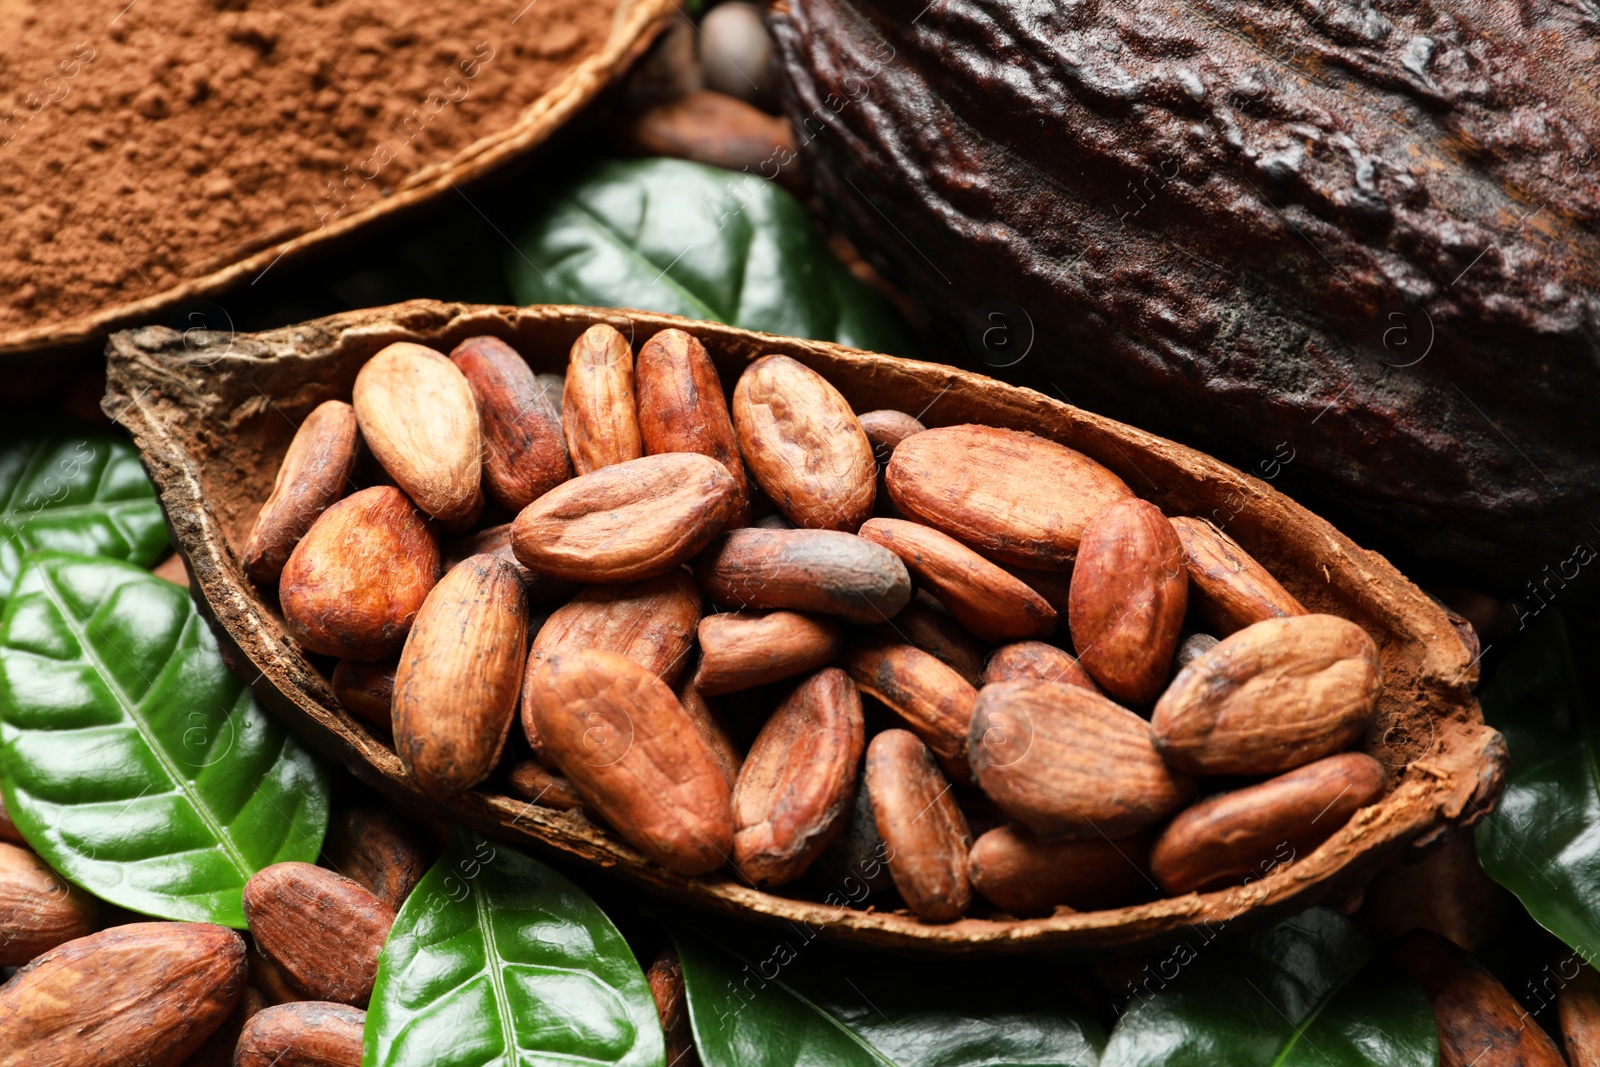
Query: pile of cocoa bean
[929, 633]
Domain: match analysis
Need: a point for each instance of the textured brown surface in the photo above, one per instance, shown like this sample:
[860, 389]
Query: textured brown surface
[212, 447]
[1480, 1022]
[924, 833]
[306, 1034]
[682, 407]
[322, 930]
[1358, 245]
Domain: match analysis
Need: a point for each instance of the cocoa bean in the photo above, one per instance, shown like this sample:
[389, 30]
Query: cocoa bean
[377, 849]
[856, 865]
[1479, 1021]
[306, 1034]
[323, 930]
[1230, 590]
[38, 908]
[1037, 661]
[542, 589]
[886, 428]
[219, 1048]
[682, 409]
[1446, 891]
[598, 413]
[1192, 648]
[805, 570]
[741, 650]
[366, 690]
[937, 634]
[1578, 1007]
[934, 701]
[924, 832]
[539, 785]
[314, 473]
[8, 829]
[723, 751]
[672, 1007]
[1025, 876]
[524, 451]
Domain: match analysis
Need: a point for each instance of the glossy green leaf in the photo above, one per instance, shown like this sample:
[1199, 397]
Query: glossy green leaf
[76, 491]
[132, 760]
[1304, 993]
[786, 999]
[688, 239]
[1543, 841]
[497, 959]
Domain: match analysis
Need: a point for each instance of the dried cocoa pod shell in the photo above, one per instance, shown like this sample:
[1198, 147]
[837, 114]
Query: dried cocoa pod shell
[314, 473]
[627, 521]
[1129, 595]
[1026, 877]
[979, 595]
[598, 413]
[1275, 695]
[799, 780]
[1479, 1021]
[1446, 891]
[934, 701]
[672, 1007]
[357, 578]
[651, 622]
[1578, 1007]
[309, 1033]
[538, 785]
[804, 445]
[144, 993]
[38, 908]
[377, 849]
[1038, 661]
[1066, 762]
[417, 415]
[524, 450]
[455, 689]
[805, 570]
[366, 690]
[924, 832]
[542, 589]
[886, 428]
[323, 930]
[856, 865]
[618, 733]
[744, 649]
[727, 755]
[682, 408]
[1228, 588]
[937, 634]
[1015, 497]
[1247, 832]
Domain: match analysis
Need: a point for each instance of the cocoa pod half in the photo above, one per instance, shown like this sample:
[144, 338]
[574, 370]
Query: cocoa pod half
[321, 929]
[308, 1033]
[682, 409]
[38, 908]
[1228, 588]
[924, 833]
[314, 473]
[1479, 1021]
[1025, 876]
[805, 570]
[741, 650]
[598, 413]
[934, 701]
[524, 452]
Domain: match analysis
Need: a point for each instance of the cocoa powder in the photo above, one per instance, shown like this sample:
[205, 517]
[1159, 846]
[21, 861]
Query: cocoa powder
[145, 144]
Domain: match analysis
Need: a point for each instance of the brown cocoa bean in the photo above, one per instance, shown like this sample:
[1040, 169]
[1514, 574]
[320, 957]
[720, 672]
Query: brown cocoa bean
[628, 521]
[1479, 1021]
[542, 589]
[805, 570]
[886, 428]
[933, 700]
[38, 908]
[1129, 595]
[174, 570]
[1578, 1007]
[145, 993]
[1446, 891]
[314, 473]
[924, 624]
[539, 785]
[1037, 661]
[672, 1007]
[706, 722]
[804, 445]
[1066, 762]
[417, 415]
[1230, 590]
[375, 848]
[269, 978]
[1026, 877]
[799, 780]
[981, 596]
[923, 831]
[524, 451]
[356, 580]
[682, 408]
[742, 649]
[1015, 497]
[366, 690]
[323, 930]
[1248, 832]
[1275, 695]
[455, 689]
[306, 1034]
[618, 733]
[598, 412]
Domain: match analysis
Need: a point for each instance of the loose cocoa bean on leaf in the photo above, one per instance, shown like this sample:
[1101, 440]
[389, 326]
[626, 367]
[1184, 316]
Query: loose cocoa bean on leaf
[741, 650]
[314, 473]
[323, 930]
[1479, 1021]
[1036, 660]
[1276, 695]
[798, 782]
[1229, 589]
[934, 701]
[305, 1034]
[524, 451]
[542, 589]
[1025, 876]
[1129, 595]
[144, 993]
[924, 833]
[1015, 497]
[1066, 762]
[38, 908]
[377, 849]
[357, 579]
[627, 521]
[455, 690]
[937, 634]
[366, 690]
[598, 410]
[981, 596]
[617, 732]
[1248, 832]
[682, 408]
[805, 570]
[804, 445]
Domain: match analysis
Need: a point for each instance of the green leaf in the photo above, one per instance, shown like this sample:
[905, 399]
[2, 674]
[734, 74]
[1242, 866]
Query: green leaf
[497, 959]
[706, 243]
[786, 999]
[131, 759]
[80, 491]
[1543, 841]
[1304, 993]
